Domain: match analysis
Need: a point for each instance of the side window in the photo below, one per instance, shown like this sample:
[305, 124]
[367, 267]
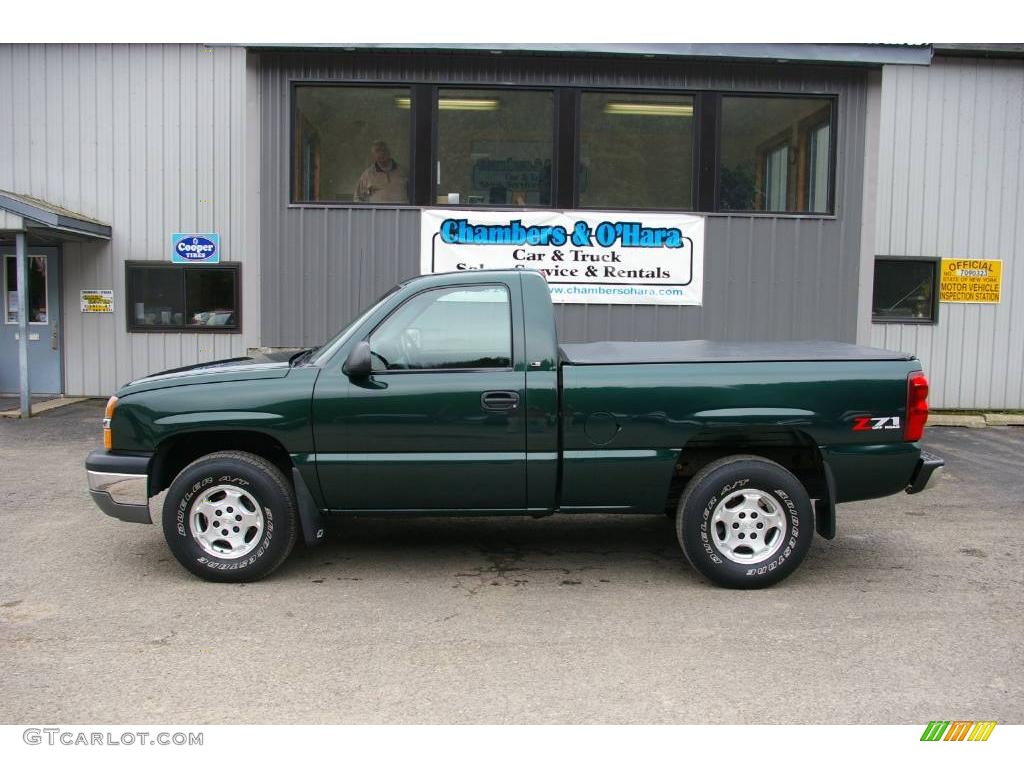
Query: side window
[444, 329]
[166, 297]
[905, 291]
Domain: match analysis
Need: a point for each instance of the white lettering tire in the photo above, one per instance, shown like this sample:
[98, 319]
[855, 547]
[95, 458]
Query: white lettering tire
[230, 516]
[745, 522]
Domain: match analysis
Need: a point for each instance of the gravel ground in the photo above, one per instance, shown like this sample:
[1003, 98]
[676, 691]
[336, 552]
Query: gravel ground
[914, 612]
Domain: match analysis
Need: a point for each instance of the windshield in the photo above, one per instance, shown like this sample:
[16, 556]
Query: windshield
[328, 349]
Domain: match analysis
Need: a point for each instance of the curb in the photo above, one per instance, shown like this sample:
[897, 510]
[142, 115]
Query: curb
[43, 407]
[975, 421]
[1004, 419]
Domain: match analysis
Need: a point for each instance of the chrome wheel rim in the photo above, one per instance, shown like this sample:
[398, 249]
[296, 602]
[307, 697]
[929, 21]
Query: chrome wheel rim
[226, 522]
[748, 526]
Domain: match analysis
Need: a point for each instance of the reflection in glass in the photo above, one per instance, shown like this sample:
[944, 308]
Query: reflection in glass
[636, 151]
[904, 290]
[351, 144]
[210, 297]
[494, 147]
[445, 329]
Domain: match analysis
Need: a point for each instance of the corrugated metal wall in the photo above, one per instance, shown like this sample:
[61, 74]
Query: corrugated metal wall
[153, 140]
[951, 184]
[765, 277]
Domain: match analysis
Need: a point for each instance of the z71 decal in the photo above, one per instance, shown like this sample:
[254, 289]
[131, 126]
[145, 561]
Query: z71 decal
[867, 423]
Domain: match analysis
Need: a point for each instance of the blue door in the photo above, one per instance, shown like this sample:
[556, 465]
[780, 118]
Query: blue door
[44, 354]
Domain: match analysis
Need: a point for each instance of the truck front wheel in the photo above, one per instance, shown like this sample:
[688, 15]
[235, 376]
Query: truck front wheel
[745, 522]
[230, 516]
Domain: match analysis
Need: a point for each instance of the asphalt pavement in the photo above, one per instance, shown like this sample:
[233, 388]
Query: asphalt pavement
[915, 612]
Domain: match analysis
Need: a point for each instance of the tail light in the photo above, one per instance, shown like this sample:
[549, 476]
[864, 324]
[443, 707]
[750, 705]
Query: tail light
[108, 414]
[917, 406]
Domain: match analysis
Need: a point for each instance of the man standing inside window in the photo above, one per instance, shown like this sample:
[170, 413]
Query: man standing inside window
[384, 181]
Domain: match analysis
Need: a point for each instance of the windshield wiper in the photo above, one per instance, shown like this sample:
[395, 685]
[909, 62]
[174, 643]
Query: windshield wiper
[300, 357]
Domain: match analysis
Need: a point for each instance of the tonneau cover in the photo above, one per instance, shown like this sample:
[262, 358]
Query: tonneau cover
[700, 351]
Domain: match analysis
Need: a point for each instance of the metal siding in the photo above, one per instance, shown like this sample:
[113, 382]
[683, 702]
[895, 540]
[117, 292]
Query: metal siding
[149, 138]
[765, 277]
[950, 185]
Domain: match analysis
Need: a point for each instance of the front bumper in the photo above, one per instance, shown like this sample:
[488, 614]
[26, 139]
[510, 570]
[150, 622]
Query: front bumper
[119, 484]
[928, 467]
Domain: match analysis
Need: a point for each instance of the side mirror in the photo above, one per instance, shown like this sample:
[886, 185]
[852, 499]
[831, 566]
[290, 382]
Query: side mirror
[358, 365]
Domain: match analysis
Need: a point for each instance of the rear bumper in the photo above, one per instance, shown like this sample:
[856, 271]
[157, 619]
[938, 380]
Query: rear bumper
[119, 484]
[928, 467]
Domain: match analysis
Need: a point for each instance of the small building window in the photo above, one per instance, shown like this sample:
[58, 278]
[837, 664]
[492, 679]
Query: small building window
[904, 291]
[351, 144]
[494, 147]
[190, 298]
[636, 151]
[775, 154]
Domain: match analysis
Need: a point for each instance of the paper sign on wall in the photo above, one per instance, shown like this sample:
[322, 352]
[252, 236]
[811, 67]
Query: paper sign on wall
[97, 300]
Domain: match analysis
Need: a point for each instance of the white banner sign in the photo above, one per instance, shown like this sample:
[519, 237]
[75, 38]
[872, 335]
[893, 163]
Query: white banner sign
[588, 257]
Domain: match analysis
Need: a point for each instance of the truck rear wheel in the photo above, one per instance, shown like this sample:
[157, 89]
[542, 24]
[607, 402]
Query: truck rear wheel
[230, 516]
[745, 522]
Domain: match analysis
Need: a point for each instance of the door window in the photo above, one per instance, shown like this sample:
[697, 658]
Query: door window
[447, 329]
[37, 306]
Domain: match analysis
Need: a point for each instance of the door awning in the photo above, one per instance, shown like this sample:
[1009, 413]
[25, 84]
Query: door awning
[46, 220]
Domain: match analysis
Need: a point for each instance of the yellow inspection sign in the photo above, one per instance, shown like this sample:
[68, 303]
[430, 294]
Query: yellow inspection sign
[971, 281]
[97, 300]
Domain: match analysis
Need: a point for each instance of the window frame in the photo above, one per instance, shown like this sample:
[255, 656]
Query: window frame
[806, 128]
[225, 266]
[803, 127]
[566, 139]
[467, 286]
[936, 270]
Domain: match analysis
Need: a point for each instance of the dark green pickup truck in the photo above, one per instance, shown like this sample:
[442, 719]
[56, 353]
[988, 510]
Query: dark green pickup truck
[451, 396]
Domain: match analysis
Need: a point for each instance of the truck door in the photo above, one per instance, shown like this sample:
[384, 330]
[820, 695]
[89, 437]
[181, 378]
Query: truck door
[439, 423]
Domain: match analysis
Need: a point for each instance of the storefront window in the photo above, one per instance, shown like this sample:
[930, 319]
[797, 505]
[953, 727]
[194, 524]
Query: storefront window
[183, 298]
[37, 312]
[351, 144]
[636, 151]
[904, 291]
[494, 147]
[775, 154]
